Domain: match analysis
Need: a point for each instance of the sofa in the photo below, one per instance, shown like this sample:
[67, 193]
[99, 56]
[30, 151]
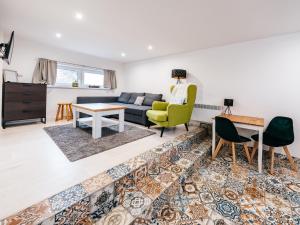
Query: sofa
[133, 113]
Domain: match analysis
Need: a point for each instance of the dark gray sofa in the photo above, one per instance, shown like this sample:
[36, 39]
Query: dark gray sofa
[133, 113]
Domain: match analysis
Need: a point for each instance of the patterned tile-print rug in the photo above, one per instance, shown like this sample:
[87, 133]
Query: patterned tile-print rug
[220, 192]
[77, 143]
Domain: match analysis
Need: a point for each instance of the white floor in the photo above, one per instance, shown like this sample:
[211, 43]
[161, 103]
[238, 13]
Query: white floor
[33, 168]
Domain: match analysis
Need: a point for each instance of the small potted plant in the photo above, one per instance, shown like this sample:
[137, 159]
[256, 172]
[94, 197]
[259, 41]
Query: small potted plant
[75, 83]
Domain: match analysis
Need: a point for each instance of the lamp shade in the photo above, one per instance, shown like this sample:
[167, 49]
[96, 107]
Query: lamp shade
[228, 102]
[179, 73]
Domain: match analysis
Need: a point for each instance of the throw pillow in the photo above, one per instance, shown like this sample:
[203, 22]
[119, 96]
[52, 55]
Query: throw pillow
[139, 100]
[134, 96]
[124, 97]
[150, 98]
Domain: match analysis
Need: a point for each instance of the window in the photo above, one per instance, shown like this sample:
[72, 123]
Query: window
[66, 76]
[85, 76]
[93, 78]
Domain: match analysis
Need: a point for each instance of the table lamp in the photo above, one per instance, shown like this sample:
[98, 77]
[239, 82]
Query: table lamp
[228, 103]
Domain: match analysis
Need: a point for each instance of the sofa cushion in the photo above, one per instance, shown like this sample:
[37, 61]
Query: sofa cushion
[138, 110]
[124, 97]
[157, 115]
[134, 96]
[150, 98]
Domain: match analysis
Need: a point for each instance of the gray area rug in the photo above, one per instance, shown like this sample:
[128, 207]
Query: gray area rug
[77, 143]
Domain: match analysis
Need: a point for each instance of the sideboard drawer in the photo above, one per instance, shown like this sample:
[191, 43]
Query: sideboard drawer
[24, 105]
[24, 96]
[24, 114]
[24, 88]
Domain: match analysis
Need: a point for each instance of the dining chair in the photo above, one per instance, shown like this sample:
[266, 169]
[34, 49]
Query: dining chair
[279, 133]
[229, 134]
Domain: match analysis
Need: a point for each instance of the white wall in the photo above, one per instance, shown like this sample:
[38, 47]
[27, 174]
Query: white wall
[24, 59]
[262, 76]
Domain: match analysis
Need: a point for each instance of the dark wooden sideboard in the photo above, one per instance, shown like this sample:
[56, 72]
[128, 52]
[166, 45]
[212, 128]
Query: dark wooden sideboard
[22, 101]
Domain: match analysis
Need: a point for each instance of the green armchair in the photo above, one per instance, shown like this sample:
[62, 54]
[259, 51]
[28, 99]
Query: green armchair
[170, 115]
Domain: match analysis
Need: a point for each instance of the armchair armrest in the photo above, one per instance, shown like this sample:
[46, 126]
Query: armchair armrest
[178, 114]
[157, 105]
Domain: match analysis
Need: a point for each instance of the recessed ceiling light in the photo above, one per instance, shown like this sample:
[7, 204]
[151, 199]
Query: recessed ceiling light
[78, 16]
[58, 35]
[123, 54]
[150, 47]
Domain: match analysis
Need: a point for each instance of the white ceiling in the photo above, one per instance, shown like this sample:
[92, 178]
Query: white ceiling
[110, 27]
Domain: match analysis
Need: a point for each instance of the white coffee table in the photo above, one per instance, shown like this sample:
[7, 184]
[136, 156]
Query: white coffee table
[97, 119]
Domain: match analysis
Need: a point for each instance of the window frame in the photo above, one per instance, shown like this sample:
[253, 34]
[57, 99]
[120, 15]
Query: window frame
[80, 75]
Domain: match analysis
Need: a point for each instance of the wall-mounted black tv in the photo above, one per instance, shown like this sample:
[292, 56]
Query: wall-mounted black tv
[7, 49]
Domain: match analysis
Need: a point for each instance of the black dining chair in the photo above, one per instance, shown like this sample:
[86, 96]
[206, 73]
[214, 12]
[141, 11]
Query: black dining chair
[279, 133]
[228, 134]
